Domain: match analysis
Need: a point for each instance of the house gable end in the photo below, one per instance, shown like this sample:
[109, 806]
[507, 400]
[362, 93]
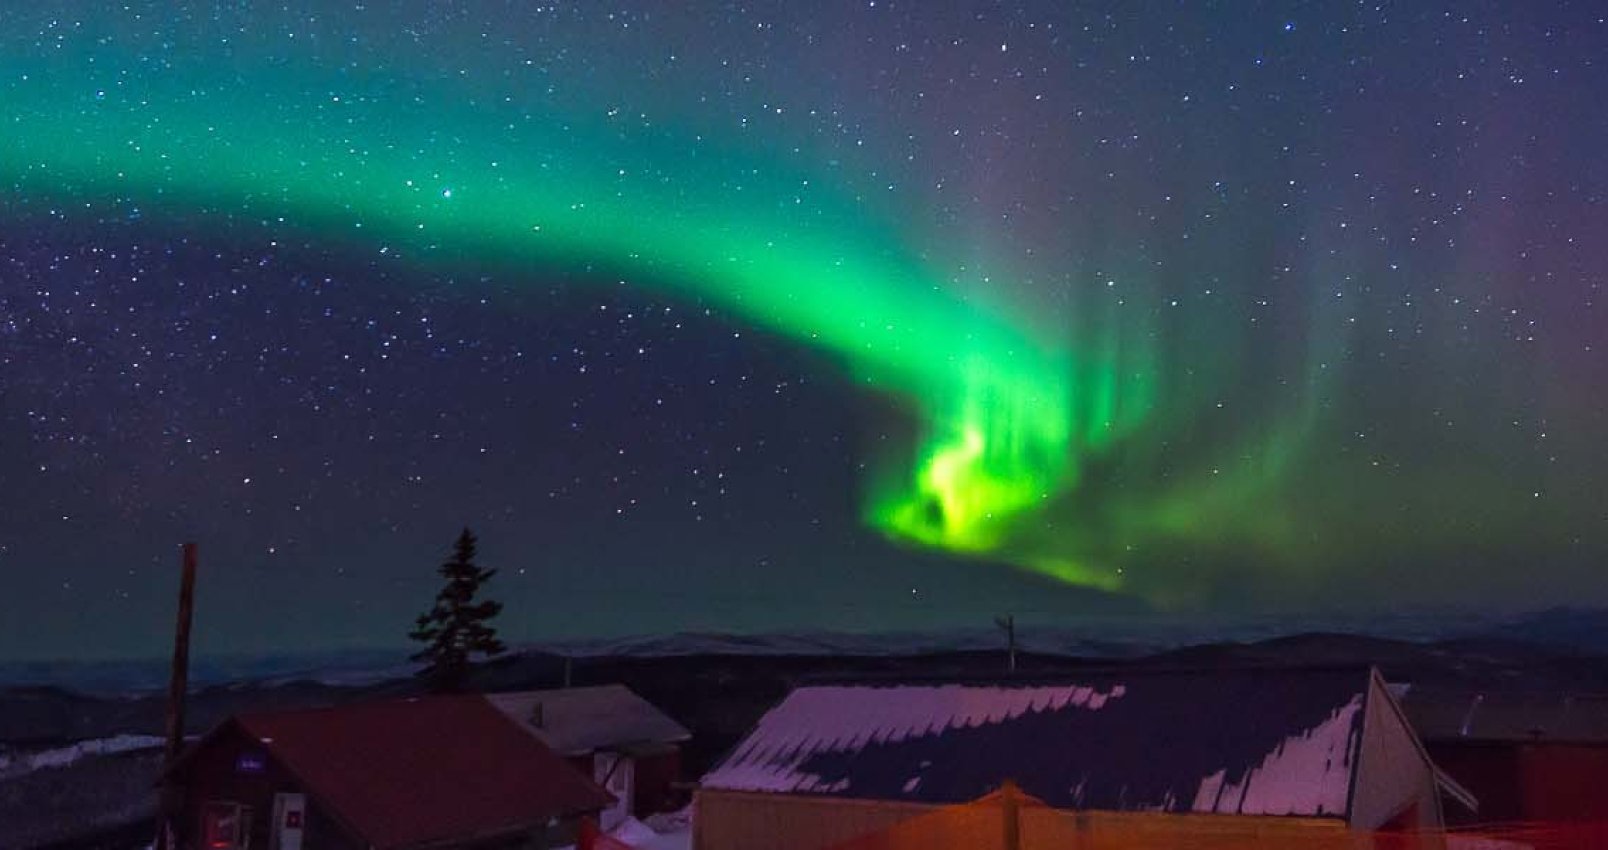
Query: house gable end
[1394, 774]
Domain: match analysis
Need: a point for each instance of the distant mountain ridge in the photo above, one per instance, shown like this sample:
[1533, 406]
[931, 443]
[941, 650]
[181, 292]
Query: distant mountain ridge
[1579, 629]
[1582, 630]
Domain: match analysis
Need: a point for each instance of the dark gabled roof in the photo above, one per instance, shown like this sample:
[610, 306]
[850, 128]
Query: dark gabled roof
[1277, 741]
[576, 721]
[411, 772]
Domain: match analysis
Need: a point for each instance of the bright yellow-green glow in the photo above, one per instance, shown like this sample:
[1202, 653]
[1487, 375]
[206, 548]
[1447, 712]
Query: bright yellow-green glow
[1003, 447]
[996, 450]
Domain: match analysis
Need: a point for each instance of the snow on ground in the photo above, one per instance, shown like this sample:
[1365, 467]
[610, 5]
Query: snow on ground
[20, 763]
[669, 841]
[671, 831]
[643, 837]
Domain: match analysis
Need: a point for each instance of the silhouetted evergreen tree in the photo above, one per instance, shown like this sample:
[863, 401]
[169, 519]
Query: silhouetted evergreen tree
[456, 627]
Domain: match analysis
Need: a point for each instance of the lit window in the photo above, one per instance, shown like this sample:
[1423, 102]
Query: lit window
[225, 825]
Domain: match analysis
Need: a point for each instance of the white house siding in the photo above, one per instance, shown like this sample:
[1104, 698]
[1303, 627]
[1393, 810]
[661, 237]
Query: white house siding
[1393, 772]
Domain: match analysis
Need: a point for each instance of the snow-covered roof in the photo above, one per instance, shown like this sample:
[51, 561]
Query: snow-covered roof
[1275, 742]
[576, 721]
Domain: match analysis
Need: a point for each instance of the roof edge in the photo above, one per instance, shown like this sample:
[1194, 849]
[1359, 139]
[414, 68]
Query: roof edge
[1454, 789]
[1070, 676]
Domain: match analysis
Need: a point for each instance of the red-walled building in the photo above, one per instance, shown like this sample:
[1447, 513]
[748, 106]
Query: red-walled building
[611, 734]
[439, 772]
[1549, 782]
[1527, 757]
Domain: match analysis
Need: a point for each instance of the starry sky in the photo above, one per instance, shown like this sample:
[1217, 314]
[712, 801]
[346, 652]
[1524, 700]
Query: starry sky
[778, 316]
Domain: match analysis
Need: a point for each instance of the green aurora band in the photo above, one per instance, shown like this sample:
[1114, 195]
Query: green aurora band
[1007, 416]
[1056, 444]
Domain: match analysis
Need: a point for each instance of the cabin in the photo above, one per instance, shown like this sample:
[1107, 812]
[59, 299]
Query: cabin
[1287, 757]
[441, 771]
[614, 736]
[1529, 757]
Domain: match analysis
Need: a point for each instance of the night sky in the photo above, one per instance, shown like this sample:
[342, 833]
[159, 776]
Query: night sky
[774, 316]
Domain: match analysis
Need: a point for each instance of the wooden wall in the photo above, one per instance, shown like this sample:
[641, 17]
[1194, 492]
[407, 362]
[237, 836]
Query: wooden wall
[739, 820]
[733, 820]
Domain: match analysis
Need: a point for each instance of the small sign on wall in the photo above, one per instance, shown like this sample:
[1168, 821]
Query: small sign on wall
[290, 822]
[251, 761]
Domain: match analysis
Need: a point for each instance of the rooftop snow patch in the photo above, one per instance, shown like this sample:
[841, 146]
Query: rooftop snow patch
[1275, 742]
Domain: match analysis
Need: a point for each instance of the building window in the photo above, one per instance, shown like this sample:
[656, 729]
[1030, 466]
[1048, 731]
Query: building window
[225, 826]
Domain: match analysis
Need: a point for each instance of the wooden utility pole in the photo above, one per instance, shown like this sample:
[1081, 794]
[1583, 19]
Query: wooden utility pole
[1008, 623]
[1010, 806]
[178, 690]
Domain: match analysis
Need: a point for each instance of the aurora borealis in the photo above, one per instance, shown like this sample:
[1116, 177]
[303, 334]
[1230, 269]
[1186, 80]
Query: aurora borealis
[1198, 309]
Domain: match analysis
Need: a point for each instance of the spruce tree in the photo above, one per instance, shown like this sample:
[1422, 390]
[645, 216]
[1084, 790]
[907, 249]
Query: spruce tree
[457, 626]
